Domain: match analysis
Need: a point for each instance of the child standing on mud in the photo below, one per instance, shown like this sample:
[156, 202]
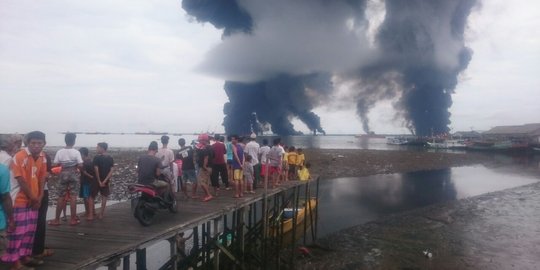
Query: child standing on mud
[248, 174]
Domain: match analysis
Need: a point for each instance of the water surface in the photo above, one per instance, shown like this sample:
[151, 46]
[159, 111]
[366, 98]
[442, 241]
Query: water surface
[346, 202]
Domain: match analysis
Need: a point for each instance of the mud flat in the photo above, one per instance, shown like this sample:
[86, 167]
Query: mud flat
[497, 230]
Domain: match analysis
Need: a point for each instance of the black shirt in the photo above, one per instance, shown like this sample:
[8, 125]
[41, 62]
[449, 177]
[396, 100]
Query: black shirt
[146, 168]
[88, 167]
[205, 152]
[186, 153]
[104, 164]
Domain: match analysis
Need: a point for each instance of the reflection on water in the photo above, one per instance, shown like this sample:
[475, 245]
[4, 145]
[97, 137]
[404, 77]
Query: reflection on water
[346, 202]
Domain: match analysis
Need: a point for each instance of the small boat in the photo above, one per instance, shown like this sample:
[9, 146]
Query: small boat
[304, 210]
[448, 144]
[507, 145]
[396, 141]
[537, 149]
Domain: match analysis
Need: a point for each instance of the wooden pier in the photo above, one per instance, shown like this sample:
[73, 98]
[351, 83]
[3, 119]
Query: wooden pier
[107, 242]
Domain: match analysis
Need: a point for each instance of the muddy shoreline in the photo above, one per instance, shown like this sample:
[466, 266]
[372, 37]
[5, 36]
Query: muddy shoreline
[327, 163]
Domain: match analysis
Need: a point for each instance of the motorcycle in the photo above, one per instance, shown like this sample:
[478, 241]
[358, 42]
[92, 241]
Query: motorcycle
[151, 199]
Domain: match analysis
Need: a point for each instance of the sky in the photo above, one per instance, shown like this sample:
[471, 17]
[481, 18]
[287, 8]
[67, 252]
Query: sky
[128, 66]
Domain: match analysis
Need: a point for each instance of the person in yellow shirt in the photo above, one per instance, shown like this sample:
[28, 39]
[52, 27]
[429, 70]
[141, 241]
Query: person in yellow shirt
[292, 158]
[303, 173]
[300, 159]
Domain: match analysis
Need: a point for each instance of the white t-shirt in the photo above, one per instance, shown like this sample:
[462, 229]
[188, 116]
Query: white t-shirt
[263, 151]
[252, 149]
[166, 156]
[68, 157]
[275, 155]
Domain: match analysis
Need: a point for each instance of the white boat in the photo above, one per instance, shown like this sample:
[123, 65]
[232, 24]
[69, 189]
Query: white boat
[537, 149]
[448, 144]
[396, 141]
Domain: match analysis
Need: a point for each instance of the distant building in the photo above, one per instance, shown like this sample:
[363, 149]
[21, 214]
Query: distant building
[528, 132]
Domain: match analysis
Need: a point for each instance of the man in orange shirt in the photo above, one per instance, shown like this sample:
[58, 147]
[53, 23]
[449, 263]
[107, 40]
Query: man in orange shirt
[29, 168]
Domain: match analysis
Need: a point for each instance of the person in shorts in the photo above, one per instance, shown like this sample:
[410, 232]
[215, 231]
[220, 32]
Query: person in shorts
[275, 156]
[248, 174]
[103, 170]
[68, 186]
[204, 161]
[188, 167]
[87, 179]
[237, 164]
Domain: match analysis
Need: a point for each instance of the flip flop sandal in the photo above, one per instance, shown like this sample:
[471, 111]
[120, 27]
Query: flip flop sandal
[52, 223]
[77, 222]
[207, 198]
[33, 262]
[47, 252]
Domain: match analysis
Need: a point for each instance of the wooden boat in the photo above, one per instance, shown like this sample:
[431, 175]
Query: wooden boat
[306, 208]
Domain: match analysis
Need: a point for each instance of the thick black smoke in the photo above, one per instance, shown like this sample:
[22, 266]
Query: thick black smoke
[417, 54]
[277, 99]
[274, 101]
[423, 42]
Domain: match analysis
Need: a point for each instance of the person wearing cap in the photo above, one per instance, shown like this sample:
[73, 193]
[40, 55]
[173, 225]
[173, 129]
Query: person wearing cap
[252, 149]
[204, 155]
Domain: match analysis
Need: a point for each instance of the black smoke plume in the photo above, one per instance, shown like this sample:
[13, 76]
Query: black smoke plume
[415, 58]
[423, 43]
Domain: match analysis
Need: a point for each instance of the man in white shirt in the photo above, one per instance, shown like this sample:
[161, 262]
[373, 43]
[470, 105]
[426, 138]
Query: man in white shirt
[71, 161]
[166, 156]
[252, 149]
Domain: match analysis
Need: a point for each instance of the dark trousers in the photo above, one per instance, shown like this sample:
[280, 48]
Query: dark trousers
[217, 171]
[257, 172]
[39, 236]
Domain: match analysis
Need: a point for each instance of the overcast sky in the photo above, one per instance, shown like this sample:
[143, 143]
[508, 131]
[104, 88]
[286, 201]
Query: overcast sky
[125, 66]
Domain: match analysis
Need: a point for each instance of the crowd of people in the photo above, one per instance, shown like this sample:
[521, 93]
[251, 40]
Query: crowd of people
[210, 163]
[213, 164]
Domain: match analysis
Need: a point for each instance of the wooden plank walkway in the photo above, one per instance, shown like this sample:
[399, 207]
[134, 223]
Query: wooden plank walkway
[91, 244]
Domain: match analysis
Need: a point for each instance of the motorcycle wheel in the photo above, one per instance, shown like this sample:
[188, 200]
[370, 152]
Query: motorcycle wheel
[143, 214]
[174, 203]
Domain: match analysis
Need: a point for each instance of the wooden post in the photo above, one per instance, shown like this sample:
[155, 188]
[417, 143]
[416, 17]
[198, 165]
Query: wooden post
[141, 259]
[174, 253]
[215, 237]
[125, 262]
[316, 210]
[307, 207]
[241, 235]
[113, 264]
